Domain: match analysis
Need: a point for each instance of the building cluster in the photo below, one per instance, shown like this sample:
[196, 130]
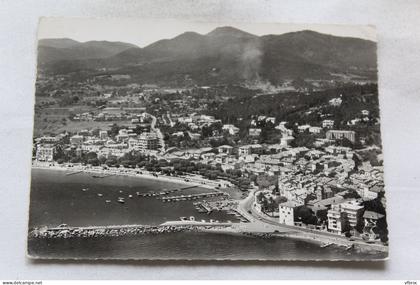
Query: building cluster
[101, 144]
[329, 183]
[196, 121]
[136, 115]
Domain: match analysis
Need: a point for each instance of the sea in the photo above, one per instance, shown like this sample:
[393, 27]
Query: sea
[58, 198]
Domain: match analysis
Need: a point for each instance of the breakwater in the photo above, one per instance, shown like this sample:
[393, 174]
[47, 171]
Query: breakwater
[110, 231]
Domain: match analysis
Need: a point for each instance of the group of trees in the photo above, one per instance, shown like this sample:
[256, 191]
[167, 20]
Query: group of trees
[270, 204]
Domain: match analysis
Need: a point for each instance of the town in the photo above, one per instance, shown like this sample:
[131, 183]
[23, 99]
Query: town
[310, 157]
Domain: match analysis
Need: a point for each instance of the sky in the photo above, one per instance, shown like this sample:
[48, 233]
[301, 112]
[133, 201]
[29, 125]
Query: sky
[143, 32]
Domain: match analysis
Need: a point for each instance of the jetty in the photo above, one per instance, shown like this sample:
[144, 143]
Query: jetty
[73, 173]
[192, 196]
[164, 192]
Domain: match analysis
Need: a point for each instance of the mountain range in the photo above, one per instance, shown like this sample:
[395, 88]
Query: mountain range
[226, 54]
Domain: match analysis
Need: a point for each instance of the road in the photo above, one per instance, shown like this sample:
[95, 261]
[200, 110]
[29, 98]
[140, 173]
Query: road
[246, 206]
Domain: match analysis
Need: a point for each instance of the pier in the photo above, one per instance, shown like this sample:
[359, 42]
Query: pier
[164, 192]
[73, 173]
[192, 197]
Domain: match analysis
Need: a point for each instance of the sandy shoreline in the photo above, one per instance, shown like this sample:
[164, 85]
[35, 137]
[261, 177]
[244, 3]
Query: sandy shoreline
[193, 181]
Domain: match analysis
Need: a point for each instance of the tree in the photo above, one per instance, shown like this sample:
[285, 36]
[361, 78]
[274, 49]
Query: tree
[265, 181]
[305, 215]
[303, 139]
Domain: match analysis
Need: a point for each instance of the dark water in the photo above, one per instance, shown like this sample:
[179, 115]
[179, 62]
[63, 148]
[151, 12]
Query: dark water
[57, 198]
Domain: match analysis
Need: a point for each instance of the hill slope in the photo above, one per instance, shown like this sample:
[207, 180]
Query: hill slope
[225, 55]
[50, 50]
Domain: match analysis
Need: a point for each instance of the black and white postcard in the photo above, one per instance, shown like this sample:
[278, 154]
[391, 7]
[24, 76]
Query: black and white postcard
[176, 140]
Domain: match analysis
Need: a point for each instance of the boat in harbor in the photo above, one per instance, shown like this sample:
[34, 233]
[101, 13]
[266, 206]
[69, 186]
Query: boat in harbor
[107, 201]
[121, 200]
[130, 196]
[349, 247]
[99, 194]
[85, 189]
[326, 244]
[98, 176]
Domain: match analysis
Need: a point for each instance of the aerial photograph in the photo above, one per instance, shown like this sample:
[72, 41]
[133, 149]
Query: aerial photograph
[171, 140]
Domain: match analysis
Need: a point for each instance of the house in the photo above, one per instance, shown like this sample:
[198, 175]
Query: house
[315, 130]
[303, 128]
[225, 149]
[254, 132]
[335, 102]
[365, 112]
[286, 140]
[194, 136]
[231, 129]
[329, 124]
[250, 149]
[103, 135]
[286, 215]
[271, 119]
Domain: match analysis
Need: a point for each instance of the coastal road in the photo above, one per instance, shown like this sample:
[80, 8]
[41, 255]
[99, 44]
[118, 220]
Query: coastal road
[247, 206]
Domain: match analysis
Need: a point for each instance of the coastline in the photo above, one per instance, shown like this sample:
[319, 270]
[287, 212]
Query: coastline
[193, 181]
[255, 229]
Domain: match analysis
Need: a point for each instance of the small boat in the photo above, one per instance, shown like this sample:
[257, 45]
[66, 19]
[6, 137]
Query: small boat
[121, 200]
[85, 189]
[97, 176]
[130, 196]
[138, 193]
[99, 195]
[326, 244]
[120, 191]
[183, 218]
[107, 201]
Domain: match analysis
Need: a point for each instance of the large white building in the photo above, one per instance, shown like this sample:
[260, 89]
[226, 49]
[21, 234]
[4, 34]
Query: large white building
[344, 216]
[341, 134]
[45, 152]
[148, 141]
[286, 215]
